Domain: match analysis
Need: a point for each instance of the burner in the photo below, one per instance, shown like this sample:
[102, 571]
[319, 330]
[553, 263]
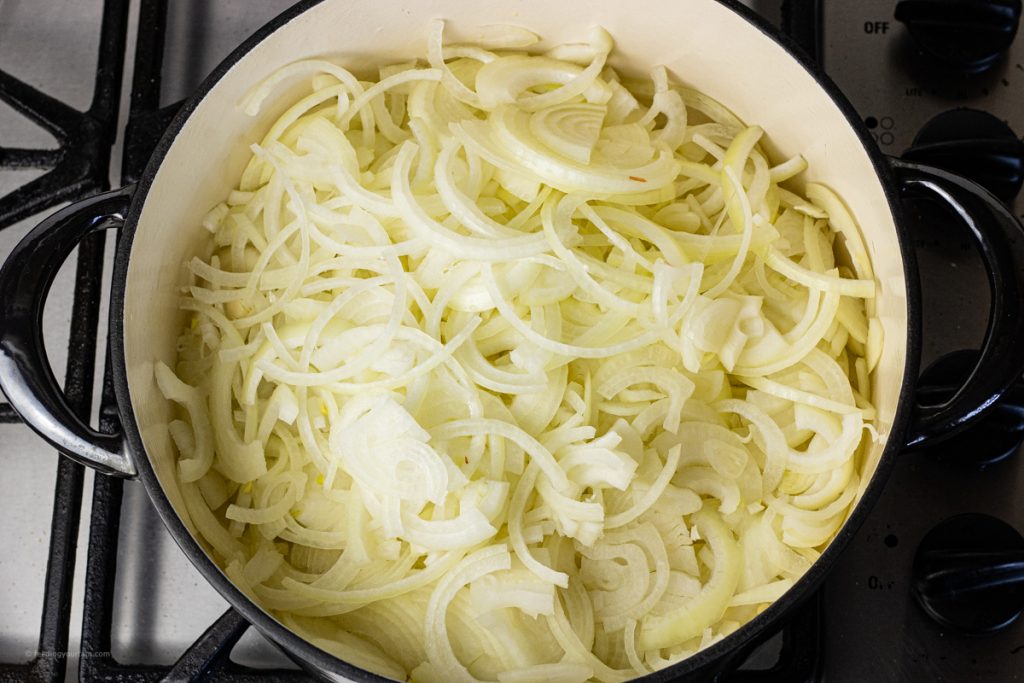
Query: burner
[994, 437]
[969, 574]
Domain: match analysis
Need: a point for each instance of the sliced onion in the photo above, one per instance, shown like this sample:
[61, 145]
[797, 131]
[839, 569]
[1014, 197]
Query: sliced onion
[469, 334]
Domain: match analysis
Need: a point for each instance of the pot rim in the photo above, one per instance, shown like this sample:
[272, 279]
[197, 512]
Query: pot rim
[736, 643]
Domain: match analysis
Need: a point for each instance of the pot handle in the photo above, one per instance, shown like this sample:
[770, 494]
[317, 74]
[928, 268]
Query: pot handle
[1000, 240]
[25, 374]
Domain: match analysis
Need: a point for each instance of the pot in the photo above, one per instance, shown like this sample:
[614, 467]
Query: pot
[714, 45]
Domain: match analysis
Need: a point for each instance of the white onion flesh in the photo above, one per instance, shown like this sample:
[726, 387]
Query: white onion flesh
[507, 369]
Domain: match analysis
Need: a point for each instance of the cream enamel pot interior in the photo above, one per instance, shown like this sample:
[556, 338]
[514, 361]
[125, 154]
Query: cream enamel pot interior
[714, 46]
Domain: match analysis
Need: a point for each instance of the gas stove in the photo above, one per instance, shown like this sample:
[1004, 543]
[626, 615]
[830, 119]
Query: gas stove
[92, 587]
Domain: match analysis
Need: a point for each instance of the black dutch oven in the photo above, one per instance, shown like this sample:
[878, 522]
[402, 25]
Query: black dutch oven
[716, 46]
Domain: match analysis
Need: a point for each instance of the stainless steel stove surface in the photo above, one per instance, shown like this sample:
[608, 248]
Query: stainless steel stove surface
[155, 605]
[900, 80]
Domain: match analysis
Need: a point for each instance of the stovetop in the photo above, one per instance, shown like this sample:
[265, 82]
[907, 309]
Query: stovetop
[120, 602]
[874, 630]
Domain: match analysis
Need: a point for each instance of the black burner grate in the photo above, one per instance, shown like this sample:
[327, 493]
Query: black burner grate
[78, 168]
[80, 165]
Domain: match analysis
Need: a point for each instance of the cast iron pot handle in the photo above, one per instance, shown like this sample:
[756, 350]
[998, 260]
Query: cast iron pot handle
[1000, 240]
[25, 374]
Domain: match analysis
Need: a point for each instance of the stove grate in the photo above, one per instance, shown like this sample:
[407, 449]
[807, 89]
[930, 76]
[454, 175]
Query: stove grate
[78, 168]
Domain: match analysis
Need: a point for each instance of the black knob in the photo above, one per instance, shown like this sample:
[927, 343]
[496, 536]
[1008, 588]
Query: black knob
[964, 35]
[995, 436]
[976, 145]
[969, 574]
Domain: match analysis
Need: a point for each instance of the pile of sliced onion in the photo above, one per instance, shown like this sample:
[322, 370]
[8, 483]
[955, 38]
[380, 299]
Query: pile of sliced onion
[499, 370]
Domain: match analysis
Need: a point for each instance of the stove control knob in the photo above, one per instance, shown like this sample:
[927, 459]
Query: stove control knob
[969, 574]
[963, 35]
[976, 145]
